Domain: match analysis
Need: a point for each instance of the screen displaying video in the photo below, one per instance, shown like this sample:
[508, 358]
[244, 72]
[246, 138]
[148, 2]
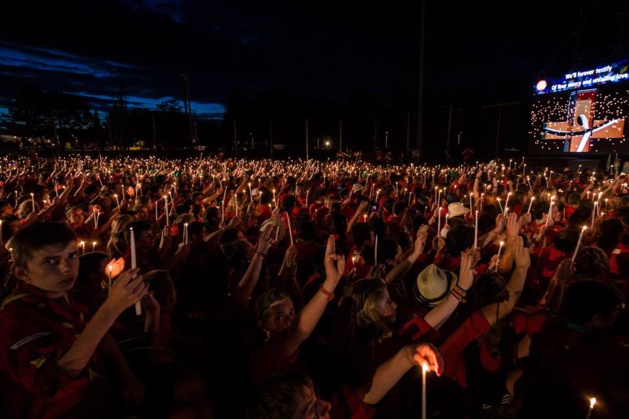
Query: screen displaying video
[582, 112]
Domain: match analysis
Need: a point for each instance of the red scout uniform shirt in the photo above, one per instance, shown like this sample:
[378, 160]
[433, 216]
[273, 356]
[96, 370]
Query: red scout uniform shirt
[35, 332]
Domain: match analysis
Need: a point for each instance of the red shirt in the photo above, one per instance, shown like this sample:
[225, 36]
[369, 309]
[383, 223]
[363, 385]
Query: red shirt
[271, 358]
[36, 332]
[452, 349]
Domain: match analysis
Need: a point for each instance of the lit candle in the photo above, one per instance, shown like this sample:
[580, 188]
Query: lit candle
[439, 221]
[424, 371]
[593, 213]
[500, 205]
[592, 403]
[156, 213]
[273, 195]
[375, 252]
[250, 193]
[290, 230]
[576, 249]
[447, 215]
[471, 204]
[185, 233]
[166, 210]
[307, 193]
[93, 246]
[476, 229]
[82, 246]
[606, 206]
[134, 264]
[33, 200]
[531, 204]
[117, 202]
[1, 239]
[498, 258]
[550, 211]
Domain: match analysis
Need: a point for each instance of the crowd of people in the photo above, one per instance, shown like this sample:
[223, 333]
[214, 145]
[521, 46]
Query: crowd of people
[225, 288]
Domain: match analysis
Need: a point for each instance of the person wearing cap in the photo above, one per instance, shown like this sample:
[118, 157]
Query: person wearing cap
[285, 329]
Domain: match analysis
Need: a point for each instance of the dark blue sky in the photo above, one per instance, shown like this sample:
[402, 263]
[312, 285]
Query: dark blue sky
[324, 49]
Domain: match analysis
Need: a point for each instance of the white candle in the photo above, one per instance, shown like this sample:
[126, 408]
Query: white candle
[476, 230]
[447, 215]
[550, 211]
[290, 230]
[307, 194]
[498, 258]
[593, 213]
[471, 204]
[117, 202]
[134, 264]
[185, 233]
[93, 246]
[500, 205]
[82, 246]
[1, 239]
[592, 403]
[156, 213]
[250, 193]
[33, 201]
[375, 252]
[424, 371]
[166, 210]
[531, 204]
[576, 249]
[506, 203]
[439, 221]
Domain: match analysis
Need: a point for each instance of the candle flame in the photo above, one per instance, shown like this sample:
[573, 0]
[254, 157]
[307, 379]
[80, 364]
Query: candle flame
[592, 402]
[426, 368]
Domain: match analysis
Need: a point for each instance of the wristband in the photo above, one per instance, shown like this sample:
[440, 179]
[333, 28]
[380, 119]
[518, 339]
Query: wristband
[327, 293]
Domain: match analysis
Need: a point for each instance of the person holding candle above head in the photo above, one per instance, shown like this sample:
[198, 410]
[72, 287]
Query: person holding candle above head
[367, 330]
[44, 330]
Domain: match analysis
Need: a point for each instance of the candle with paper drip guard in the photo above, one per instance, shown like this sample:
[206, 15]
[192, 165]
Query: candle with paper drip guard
[591, 408]
[134, 264]
[498, 256]
[576, 249]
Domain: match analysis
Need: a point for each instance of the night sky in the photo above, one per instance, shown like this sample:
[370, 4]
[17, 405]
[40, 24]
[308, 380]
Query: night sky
[474, 50]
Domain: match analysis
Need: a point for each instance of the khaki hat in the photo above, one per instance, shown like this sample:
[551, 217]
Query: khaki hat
[457, 208]
[357, 187]
[433, 285]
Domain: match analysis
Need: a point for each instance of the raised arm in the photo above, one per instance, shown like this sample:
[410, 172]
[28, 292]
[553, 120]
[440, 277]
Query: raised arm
[309, 316]
[497, 311]
[392, 370]
[438, 315]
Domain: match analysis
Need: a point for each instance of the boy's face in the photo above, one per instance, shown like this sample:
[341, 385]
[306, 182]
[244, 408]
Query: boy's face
[52, 269]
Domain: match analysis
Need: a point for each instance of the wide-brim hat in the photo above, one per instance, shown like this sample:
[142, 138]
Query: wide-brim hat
[357, 187]
[457, 208]
[433, 284]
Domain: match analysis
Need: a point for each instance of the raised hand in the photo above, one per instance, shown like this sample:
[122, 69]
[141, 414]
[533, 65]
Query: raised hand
[334, 264]
[126, 290]
[425, 354]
